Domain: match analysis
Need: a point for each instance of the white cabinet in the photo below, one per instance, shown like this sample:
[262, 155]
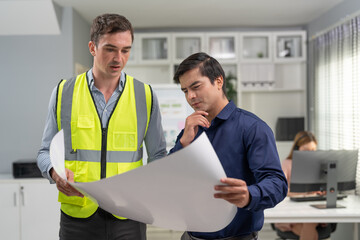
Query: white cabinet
[185, 44]
[256, 47]
[9, 209]
[150, 58]
[290, 46]
[223, 46]
[29, 210]
[155, 48]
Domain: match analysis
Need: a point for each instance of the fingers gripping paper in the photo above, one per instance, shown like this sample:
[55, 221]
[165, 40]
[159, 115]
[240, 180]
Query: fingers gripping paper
[175, 192]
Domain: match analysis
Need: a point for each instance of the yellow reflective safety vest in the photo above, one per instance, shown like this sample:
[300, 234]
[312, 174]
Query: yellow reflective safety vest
[91, 151]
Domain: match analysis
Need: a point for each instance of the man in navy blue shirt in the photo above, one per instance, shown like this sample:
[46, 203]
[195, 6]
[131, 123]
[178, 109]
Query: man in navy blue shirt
[245, 146]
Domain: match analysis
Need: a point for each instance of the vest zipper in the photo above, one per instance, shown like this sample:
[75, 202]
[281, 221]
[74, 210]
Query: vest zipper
[104, 132]
[103, 152]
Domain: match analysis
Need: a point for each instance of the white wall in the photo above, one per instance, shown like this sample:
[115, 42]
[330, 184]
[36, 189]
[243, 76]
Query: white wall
[334, 15]
[30, 67]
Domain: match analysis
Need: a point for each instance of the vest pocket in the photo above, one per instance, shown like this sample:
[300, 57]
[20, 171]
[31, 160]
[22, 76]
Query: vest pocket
[125, 141]
[80, 170]
[85, 121]
[74, 200]
[85, 132]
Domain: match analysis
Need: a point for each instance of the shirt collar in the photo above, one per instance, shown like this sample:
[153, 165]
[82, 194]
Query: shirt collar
[225, 113]
[90, 78]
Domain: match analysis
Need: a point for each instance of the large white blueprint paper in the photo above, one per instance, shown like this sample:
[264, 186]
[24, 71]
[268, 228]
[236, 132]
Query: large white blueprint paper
[175, 192]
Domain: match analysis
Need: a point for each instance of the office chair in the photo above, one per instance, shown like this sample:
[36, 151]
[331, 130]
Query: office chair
[324, 232]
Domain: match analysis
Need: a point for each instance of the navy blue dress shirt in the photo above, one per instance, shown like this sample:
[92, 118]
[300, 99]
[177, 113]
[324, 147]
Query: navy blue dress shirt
[246, 148]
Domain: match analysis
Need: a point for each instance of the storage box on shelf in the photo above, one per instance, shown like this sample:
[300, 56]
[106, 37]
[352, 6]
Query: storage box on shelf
[257, 76]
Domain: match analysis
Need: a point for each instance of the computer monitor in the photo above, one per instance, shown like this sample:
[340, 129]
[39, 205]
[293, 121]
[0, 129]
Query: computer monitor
[330, 171]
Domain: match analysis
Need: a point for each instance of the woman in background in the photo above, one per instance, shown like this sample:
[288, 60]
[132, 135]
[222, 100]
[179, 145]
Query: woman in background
[303, 141]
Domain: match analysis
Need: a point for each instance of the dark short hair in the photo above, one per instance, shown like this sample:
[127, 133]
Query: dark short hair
[109, 23]
[208, 67]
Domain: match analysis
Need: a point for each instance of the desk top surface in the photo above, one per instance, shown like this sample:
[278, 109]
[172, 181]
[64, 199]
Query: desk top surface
[291, 211]
[8, 178]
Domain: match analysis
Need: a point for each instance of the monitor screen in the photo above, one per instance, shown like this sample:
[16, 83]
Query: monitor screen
[309, 169]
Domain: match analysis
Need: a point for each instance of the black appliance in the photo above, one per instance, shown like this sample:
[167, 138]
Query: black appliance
[26, 168]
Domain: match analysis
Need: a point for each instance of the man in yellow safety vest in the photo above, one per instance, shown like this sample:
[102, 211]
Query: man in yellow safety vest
[106, 115]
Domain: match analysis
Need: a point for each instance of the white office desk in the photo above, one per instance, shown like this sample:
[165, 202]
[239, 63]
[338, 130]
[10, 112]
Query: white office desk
[291, 211]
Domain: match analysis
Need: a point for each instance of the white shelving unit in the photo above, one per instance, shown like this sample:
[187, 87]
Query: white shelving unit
[273, 85]
[269, 67]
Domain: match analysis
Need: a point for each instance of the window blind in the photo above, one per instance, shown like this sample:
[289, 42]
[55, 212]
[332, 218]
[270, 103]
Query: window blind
[336, 61]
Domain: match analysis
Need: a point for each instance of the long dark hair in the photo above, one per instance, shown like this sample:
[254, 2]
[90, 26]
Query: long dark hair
[301, 138]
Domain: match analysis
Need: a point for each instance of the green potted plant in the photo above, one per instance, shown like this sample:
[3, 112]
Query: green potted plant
[230, 81]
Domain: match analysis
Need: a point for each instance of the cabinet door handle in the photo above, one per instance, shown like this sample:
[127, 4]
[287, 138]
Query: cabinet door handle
[15, 199]
[22, 195]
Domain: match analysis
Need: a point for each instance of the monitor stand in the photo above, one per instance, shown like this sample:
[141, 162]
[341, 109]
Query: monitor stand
[331, 187]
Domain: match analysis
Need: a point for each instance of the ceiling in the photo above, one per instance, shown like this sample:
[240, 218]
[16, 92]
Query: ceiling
[206, 13]
[33, 17]
[28, 17]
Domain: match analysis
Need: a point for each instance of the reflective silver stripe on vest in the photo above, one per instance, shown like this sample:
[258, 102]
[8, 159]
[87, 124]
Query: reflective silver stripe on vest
[124, 156]
[66, 103]
[92, 155]
[141, 110]
[111, 156]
